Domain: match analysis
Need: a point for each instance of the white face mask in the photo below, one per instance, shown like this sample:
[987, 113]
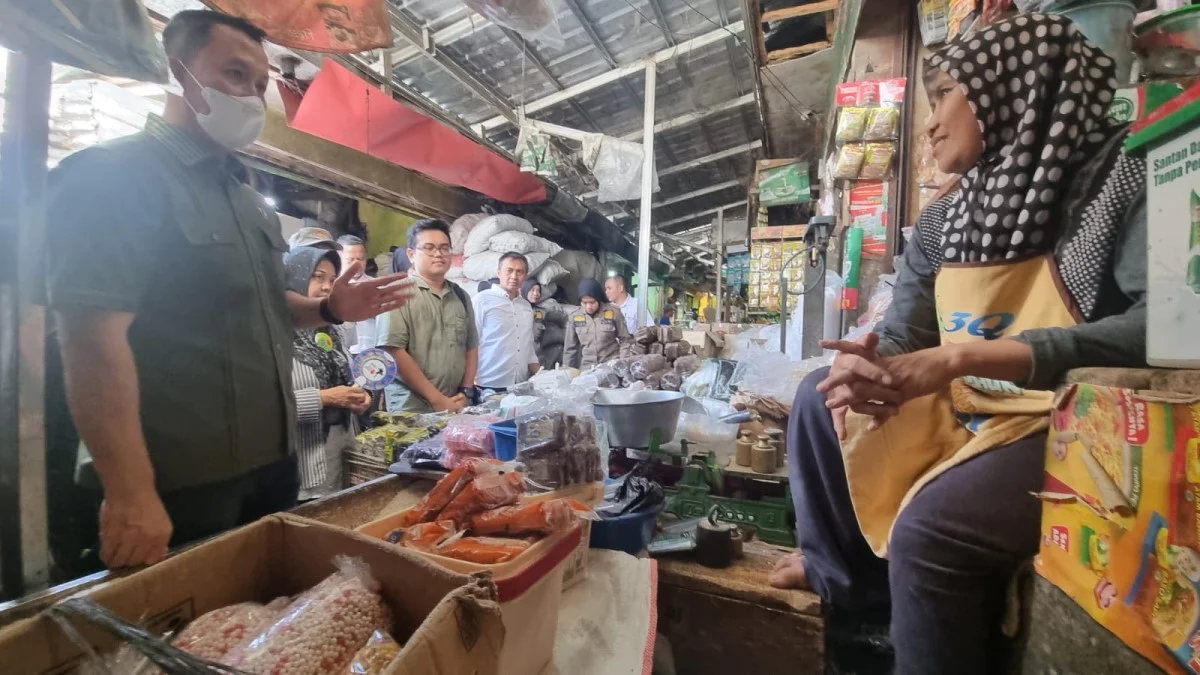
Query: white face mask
[232, 121]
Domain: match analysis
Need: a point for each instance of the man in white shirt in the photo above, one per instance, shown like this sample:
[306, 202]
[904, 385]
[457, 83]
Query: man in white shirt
[504, 321]
[614, 288]
[361, 335]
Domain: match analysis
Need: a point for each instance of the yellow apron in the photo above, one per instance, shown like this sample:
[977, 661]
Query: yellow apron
[888, 466]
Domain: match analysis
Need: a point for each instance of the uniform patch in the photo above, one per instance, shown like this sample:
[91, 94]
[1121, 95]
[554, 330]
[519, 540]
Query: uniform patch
[579, 318]
[608, 314]
[539, 315]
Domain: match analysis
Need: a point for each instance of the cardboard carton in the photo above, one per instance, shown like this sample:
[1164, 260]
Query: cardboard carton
[449, 624]
[707, 344]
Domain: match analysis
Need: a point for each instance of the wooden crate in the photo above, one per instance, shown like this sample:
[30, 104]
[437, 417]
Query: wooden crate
[827, 7]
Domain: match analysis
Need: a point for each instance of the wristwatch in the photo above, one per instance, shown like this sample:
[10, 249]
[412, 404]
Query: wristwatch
[327, 313]
[469, 392]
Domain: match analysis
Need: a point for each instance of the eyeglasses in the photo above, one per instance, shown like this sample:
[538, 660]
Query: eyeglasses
[430, 249]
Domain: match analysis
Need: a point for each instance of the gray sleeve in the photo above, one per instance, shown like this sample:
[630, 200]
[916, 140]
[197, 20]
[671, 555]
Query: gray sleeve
[1115, 341]
[910, 323]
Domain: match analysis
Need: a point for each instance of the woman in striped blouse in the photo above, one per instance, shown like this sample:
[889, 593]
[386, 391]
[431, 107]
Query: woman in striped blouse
[326, 402]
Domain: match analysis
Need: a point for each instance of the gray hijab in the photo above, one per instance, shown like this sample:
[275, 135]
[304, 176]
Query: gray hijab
[318, 348]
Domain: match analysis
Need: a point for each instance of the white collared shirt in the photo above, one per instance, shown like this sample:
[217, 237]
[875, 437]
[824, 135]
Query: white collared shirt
[506, 347]
[629, 311]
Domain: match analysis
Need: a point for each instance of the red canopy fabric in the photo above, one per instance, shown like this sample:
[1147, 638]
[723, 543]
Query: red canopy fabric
[341, 27]
[342, 108]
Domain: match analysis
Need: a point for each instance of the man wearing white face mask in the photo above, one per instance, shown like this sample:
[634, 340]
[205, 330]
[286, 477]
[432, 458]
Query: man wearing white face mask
[164, 274]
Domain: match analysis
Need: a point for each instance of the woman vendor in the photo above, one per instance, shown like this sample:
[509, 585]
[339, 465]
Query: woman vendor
[326, 403]
[549, 324]
[595, 331]
[913, 459]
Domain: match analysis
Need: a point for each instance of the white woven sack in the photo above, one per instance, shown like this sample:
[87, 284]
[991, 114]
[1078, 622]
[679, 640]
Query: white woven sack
[482, 233]
[522, 242]
[550, 272]
[461, 227]
[481, 266]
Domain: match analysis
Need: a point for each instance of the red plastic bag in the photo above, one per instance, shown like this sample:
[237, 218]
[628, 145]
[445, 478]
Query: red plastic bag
[446, 489]
[341, 27]
[485, 492]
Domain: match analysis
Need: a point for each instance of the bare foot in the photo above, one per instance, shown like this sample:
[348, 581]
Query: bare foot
[789, 572]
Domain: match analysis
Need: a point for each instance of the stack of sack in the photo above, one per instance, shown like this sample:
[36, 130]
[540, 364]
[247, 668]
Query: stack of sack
[479, 239]
[657, 358]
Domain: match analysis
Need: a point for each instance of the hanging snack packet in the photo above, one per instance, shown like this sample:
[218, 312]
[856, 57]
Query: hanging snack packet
[849, 161]
[876, 161]
[882, 124]
[852, 122]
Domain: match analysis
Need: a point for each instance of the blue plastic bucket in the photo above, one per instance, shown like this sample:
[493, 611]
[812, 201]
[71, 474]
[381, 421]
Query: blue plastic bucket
[629, 533]
[505, 434]
[1109, 25]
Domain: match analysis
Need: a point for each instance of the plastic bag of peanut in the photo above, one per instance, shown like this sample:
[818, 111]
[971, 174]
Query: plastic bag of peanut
[375, 656]
[323, 627]
[214, 634]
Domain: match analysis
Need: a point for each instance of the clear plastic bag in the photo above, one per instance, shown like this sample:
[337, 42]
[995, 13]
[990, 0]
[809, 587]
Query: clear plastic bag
[544, 517]
[851, 123]
[643, 366]
[535, 20]
[877, 161]
[849, 161]
[447, 489]
[699, 383]
[559, 449]
[375, 656]
[470, 435]
[617, 166]
[882, 124]
[488, 491]
[322, 628]
[214, 634]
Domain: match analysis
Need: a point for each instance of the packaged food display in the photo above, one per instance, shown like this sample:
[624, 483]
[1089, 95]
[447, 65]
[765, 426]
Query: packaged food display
[423, 536]
[447, 488]
[851, 124]
[544, 517]
[882, 124]
[484, 550]
[650, 363]
[322, 628]
[877, 159]
[375, 656]
[485, 492]
[849, 161]
[559, 449]
[669, 334]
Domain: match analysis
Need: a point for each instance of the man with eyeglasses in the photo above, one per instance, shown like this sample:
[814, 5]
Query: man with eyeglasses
[433, 337]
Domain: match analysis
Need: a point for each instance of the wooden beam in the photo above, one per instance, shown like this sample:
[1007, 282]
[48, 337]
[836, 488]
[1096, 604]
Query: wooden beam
[800, 10]
[780, 55]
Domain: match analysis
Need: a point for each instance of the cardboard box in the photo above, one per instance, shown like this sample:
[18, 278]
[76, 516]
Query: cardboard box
[449, 623]
[1121, 516]
[706, 344]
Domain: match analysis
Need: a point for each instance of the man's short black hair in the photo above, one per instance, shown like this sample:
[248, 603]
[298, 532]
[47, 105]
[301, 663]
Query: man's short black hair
[424, 225]
[189, 31]
[513, 255]
[350, 240]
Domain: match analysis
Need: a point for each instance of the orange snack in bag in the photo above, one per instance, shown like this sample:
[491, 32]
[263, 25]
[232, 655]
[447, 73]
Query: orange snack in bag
[488, 491]
[484, 550]
[425, 536]
[446, 489]
[546, 517]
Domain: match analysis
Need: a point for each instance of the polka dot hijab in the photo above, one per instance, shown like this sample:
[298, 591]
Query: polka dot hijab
[1039, 90]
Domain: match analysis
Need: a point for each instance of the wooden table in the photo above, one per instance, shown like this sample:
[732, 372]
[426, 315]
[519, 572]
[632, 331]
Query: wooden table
[724, 621]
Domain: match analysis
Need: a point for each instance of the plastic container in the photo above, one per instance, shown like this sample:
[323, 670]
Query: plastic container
[530, 591]
[1108, 24]
[629, 533]
[505, 434]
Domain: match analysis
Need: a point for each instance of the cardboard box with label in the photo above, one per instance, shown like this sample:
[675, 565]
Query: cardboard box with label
[448, 623]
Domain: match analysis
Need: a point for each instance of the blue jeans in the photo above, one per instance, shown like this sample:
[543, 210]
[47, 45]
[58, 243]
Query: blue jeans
[953, 550]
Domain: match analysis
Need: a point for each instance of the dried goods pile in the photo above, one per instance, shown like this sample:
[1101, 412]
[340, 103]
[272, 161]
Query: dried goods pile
[472, 514]
[656, 357]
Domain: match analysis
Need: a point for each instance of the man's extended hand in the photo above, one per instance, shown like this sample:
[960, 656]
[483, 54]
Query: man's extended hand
[352, 300]
[134, 529]
[857, 382]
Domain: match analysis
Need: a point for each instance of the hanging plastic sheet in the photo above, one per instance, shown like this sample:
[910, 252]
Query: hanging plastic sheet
[342, 108]
[617, 166]
[110, 37]
[331, 26]
[535, 20]
[534, 152]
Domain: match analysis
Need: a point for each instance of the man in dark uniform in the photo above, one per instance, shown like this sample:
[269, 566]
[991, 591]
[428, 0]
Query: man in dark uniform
[164, 275]
[595, 331]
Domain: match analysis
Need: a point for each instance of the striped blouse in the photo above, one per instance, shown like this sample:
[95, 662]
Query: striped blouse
[318, 455]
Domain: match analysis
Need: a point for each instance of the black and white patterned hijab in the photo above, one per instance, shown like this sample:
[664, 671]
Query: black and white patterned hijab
[1039, 90]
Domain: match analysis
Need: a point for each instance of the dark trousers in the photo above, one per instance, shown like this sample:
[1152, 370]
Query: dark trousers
[952, 554]
[197, 512]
